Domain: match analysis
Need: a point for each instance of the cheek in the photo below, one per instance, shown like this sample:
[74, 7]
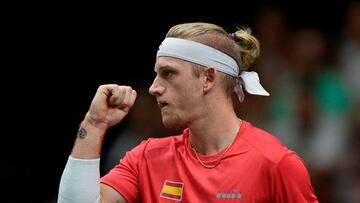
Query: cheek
[194, 93]
[187, 94]
[190, 99]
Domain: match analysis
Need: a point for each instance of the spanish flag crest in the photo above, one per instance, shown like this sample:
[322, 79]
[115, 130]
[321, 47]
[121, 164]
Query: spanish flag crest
[172, 190]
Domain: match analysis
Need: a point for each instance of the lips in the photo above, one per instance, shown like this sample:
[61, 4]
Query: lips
[162, 104]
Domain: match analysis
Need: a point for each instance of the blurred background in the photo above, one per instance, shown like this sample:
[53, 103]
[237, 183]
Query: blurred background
[56, 55]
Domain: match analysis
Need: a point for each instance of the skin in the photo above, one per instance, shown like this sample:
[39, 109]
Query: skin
[199, 103]
[110, 105]
[175, 86]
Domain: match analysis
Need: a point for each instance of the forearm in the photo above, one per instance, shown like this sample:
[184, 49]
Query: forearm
[80, 181]
[89, 140]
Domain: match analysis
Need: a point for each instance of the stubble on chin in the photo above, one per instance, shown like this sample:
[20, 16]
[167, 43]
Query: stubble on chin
[172, 122]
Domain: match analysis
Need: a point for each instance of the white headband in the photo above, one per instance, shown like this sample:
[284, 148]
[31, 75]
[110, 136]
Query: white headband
[209, 57]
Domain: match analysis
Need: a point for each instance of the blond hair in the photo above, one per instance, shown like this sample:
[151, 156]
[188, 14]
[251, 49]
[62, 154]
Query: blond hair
[245, 49]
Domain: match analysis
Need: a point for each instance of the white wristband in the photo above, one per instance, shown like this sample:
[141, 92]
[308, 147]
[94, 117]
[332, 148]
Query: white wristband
[80, 181]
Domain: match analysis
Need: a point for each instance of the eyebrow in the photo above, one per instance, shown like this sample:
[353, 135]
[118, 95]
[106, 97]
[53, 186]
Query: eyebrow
[166, 67]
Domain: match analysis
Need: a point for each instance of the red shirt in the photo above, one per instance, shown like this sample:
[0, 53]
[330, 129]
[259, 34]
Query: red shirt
[256, 168]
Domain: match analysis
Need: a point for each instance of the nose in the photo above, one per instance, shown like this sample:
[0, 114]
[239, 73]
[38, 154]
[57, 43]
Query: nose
[156, 89]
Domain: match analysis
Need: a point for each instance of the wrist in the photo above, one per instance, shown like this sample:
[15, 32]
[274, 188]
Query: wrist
[89, 140]
[92, 127]
[90, 122]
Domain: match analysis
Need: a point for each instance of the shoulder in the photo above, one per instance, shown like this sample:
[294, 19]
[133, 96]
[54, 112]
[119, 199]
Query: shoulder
[154, 144]
[153, 148]
[291, 180]
[264, 143]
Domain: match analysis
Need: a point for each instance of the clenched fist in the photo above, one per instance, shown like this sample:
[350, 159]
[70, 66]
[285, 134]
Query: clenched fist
[110, 105]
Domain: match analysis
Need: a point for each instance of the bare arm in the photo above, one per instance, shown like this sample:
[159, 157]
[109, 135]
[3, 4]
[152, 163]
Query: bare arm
[109, 195]
[109, 106]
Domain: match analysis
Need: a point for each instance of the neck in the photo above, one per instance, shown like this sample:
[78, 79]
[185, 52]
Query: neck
[215, 131]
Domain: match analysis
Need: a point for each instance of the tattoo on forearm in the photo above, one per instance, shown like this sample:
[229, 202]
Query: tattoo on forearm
[82, 133]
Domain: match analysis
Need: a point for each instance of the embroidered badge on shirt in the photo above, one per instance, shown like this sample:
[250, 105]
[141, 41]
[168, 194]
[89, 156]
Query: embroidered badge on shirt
[172, 190]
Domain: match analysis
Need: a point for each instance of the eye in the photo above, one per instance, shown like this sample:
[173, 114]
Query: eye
[167, 74]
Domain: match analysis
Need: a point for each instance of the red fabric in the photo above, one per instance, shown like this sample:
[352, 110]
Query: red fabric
[256, 168]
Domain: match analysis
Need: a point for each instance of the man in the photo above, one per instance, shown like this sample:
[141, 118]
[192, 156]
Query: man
[218, 158]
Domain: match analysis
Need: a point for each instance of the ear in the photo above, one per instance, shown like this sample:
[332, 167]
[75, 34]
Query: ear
[210, 75]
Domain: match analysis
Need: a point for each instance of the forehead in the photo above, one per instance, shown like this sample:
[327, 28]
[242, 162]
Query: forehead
[171, 62]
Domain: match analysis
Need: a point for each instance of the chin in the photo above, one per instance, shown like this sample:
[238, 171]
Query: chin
[173, 122]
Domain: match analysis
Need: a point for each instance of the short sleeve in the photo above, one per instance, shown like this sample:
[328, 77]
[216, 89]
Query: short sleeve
[291, 181]
[124, 177]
